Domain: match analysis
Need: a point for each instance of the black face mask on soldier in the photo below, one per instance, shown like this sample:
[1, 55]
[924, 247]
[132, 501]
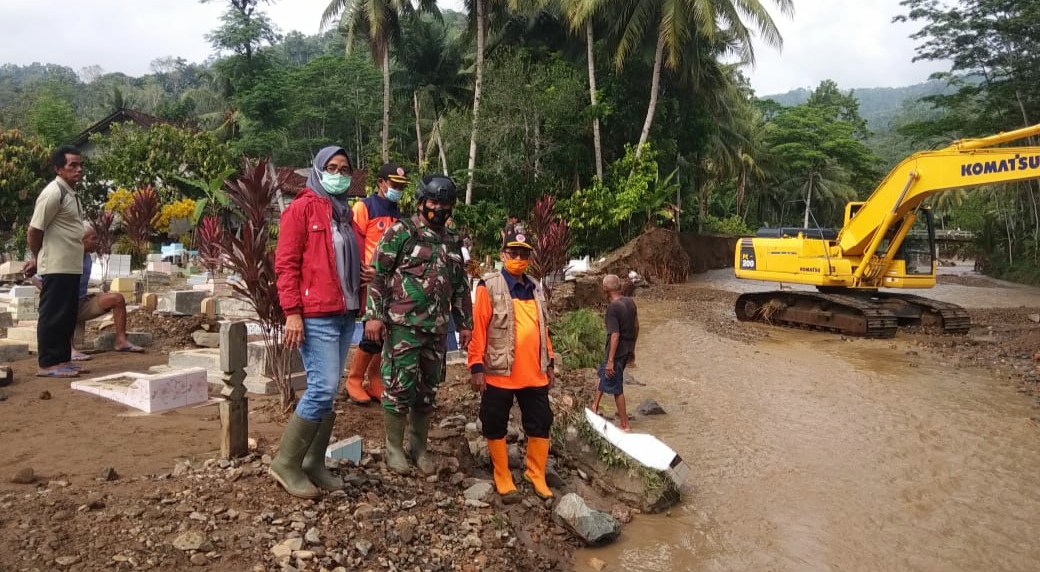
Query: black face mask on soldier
[436, 217]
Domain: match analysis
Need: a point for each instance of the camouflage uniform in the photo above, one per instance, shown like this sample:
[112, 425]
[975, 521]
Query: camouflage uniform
[419, 279]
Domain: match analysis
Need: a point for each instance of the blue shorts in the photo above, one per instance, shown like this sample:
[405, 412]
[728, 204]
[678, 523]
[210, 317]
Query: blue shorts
[613, 385]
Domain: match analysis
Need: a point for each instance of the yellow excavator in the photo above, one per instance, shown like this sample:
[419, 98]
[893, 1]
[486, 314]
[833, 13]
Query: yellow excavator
[887, 241]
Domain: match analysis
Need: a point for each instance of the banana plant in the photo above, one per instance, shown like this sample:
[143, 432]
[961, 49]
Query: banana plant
[215, 198]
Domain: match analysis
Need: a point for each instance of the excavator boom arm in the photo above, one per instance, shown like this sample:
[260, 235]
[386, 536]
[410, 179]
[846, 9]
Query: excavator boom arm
[966, 163]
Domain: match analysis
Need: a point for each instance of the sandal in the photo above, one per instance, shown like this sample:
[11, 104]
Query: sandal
[130, 348]
[80, 356]
[59, 372]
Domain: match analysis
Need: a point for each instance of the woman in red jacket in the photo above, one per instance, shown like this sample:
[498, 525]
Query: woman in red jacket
[319, 276]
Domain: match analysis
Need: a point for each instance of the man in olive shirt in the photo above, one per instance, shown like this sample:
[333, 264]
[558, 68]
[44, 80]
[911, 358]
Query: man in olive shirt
[55, 238]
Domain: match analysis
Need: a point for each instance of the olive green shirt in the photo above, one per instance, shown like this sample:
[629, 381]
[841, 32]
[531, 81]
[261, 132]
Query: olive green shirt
[59, 216]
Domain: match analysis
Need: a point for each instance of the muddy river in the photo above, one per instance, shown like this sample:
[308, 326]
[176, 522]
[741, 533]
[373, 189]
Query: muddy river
[809, 452]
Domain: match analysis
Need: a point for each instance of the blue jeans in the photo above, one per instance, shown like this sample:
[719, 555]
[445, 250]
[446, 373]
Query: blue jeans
[326, 341]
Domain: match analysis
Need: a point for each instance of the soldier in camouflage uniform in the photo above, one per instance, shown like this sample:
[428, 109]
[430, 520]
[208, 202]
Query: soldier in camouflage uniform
[419, 280]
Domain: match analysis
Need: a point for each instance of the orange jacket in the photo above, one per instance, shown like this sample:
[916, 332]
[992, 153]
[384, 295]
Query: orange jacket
[372, 216]
[526, 368]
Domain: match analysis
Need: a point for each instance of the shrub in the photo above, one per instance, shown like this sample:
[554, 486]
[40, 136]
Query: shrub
[579, 338]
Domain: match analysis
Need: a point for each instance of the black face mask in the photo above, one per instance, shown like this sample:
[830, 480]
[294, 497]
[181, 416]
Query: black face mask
[435, 217]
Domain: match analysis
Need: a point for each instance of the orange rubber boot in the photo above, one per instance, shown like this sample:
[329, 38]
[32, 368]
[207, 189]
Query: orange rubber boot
[356, 378]
[500, 466]
[375, 377]
[537, 457]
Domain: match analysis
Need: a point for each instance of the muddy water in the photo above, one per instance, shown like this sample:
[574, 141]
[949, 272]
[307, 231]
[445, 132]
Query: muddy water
[812, 453]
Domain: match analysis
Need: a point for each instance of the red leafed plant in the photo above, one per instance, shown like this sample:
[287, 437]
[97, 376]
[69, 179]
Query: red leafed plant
[552, 244]
[138, 219]
[102, 222]
[211, 238]
[249, 254]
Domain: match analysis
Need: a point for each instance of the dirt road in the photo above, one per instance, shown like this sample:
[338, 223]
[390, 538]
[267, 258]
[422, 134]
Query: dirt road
[809, 452]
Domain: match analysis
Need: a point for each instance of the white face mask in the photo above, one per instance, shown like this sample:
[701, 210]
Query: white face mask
[393, 195]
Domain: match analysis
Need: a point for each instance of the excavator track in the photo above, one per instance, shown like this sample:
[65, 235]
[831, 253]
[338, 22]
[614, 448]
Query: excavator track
[950, 318]
[843, 313]
[874, 316]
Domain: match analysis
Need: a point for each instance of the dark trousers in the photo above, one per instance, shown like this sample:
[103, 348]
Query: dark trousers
[535, 413]
[59, 304]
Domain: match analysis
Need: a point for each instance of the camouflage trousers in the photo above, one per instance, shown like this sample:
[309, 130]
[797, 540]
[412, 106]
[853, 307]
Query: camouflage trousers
[413, 368]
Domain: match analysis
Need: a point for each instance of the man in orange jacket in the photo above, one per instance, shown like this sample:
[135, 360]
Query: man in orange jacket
[511, 357]
[372, 216]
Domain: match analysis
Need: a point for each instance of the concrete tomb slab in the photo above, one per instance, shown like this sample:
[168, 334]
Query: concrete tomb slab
[182, 302]
[150, 393]
[11, 350]
[23, 334]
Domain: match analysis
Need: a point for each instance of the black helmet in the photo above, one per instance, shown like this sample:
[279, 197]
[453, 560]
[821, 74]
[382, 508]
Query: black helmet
[436, 187]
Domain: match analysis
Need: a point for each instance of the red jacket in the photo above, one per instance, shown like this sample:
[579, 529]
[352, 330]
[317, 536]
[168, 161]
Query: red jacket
[308, 283]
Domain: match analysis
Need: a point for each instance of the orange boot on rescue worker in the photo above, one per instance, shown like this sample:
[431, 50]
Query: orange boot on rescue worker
[372, 216]
[513, 359]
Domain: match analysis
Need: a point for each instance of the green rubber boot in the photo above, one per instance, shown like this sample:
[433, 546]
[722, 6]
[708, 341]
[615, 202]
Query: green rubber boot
[287, 466]
[395, 457]
[418, 433]
[314, 461]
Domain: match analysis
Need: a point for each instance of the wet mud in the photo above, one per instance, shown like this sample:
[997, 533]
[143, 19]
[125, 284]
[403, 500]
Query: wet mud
[813, 452]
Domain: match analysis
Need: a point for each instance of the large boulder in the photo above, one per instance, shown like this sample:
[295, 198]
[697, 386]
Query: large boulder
[593, 527]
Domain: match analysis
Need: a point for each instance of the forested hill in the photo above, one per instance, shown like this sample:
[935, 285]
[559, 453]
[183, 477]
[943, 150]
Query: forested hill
[878, 105]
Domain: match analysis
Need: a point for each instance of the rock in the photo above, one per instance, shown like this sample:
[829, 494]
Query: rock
[303, 555]
[650, 407]
[622, 513]
[293, 543]
[66, 560]
[182, 468]
[6, 375]
[363, 512]
[190, 540]
[280, 551]
[363, 546]
[199, 559]
[593, 527]
[1035, 318]
[476, 503]
[3, 396]
[597, 564]
[313, 536]
[45, 395]
[206, 339]
[456, 479]
[24, 476]
[553, 479]
[108, 474]
[480, 491]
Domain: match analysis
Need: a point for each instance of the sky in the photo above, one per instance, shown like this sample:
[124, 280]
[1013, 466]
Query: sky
[852, 42]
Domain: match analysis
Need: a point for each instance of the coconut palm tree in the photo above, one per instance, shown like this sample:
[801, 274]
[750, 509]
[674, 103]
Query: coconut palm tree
[433, 62]
[676, 23]
[380, 22]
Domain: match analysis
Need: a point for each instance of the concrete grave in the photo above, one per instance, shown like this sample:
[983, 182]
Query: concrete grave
[235, 308]
[209, 359]
[21, 291]
[149, 302]
[150, 393]
[259, 365]
[11, 267]
[6, 320]
[22, 309]
[11, 350]
[181, 302]
[23, 334]
[198, 279]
